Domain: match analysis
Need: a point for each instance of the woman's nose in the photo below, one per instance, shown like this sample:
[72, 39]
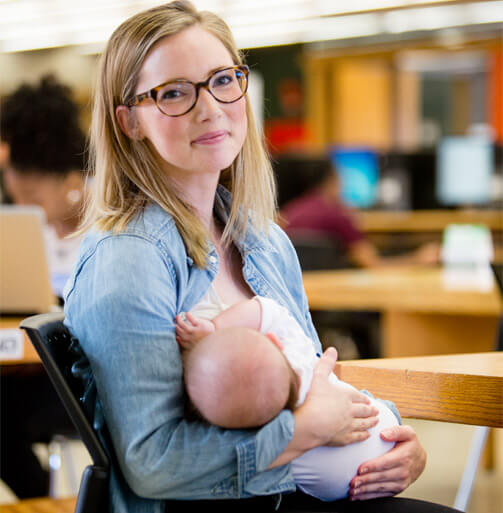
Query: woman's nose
[207, 107]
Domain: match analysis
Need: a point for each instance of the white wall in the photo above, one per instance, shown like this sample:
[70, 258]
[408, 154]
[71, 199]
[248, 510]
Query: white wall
[70, 66]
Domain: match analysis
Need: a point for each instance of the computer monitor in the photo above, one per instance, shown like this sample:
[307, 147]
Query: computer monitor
[358, 172]
[464, 171]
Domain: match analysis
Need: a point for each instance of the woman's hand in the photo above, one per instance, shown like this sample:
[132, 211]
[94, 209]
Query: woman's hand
[330, 415]
[393, 472]
[340, 415]
[190, 330]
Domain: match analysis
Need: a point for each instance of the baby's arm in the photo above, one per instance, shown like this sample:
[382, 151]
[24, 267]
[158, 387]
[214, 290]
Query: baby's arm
[191, 330]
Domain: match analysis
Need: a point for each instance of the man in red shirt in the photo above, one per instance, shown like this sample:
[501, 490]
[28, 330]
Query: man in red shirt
[320, 211]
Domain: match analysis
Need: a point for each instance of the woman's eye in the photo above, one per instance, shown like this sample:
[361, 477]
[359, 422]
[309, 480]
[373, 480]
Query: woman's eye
[171, 94]
[223, 80]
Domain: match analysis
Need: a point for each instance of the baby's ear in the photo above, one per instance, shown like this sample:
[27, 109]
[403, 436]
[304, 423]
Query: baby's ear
[128, 122]
[275, 340]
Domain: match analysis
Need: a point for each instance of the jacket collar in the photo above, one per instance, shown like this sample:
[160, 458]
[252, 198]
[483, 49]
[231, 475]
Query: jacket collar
[252, 241]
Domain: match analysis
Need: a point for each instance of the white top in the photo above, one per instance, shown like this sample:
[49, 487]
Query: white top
[61, 255]
[210, 305]
[297, 346]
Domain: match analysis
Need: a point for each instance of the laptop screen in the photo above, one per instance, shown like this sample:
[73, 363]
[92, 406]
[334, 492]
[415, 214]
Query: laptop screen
[24, 271]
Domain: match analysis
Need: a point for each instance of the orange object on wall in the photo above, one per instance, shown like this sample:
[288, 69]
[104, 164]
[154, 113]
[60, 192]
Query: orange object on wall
[495, 96]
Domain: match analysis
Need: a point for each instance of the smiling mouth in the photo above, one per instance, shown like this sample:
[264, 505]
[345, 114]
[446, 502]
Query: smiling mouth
[211, 138]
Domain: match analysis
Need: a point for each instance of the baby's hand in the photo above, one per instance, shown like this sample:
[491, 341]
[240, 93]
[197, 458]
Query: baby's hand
[190, 329]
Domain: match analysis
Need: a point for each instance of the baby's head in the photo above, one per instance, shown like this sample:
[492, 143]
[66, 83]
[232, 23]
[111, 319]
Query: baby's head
[239, 378]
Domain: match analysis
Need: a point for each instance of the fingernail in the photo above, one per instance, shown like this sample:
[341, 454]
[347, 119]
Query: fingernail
[386, 433]
[364, 470]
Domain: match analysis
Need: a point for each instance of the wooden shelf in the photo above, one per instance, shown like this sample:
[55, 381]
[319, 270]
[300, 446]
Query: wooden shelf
[426, 220]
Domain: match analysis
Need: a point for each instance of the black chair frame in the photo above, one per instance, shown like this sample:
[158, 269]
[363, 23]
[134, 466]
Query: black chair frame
[58, 351]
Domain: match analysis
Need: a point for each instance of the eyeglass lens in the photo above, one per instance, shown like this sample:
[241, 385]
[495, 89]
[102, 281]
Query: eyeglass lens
[226, 86]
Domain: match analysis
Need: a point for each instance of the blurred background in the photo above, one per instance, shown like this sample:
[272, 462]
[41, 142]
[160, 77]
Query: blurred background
[402, 102]
[402, 80]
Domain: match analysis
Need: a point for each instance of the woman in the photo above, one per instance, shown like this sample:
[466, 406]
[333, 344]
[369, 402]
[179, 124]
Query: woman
[43, 146]
[41, 155]
[171, 124]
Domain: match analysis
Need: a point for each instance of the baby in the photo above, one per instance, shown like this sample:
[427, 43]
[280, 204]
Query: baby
[247, 364]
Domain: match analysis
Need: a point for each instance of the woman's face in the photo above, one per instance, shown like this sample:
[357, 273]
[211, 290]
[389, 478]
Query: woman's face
[38, 188]
[209, 137]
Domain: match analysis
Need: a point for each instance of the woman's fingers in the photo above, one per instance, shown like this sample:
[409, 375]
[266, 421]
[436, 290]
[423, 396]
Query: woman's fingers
[360, 410]
[395, 470]
[401, 433]
[355, 436]
[407, 447]
[358, 397]
[368, 482]
[365, 424]
[325, 365]
[357, 431]
[379, 484]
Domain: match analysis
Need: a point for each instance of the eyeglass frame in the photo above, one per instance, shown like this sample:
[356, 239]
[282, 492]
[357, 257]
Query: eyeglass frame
[205, 84]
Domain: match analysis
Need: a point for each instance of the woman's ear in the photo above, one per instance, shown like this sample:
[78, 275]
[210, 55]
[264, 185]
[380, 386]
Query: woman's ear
[128, 122]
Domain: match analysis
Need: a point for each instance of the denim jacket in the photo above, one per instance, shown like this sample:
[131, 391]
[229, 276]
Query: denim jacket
[120, 302]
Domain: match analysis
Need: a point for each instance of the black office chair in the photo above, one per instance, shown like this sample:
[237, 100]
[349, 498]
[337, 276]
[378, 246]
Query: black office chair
[354, 334]
[64, 361]
[317, 252]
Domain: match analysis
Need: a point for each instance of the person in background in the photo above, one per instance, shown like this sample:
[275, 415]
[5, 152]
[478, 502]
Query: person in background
[321, 211]
[42, 156]
[43, 147]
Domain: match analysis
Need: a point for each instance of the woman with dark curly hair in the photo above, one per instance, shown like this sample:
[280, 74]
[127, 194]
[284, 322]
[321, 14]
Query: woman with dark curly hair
[44, 149]
[42, 155]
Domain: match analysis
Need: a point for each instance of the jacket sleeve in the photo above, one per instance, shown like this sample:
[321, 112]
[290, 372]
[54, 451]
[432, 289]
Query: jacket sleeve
[121, 306]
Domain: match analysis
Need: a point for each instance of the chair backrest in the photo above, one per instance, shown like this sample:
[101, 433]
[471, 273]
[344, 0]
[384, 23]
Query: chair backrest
[317, 252]
[61, 356]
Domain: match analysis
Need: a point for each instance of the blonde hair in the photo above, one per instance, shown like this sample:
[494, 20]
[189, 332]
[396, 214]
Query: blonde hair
[128, 174]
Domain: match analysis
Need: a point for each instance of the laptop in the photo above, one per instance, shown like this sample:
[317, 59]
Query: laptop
[25, 287]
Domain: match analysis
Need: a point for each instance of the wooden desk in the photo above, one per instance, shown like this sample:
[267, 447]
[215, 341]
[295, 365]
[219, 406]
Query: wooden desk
[420, 316]
[30, 356]
[44, 505]
[426, 220]
[399, 231]
[464, 388]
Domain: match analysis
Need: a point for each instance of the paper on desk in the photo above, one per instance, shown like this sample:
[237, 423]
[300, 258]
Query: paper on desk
[11, 344]
[467, 251]
[479, 278]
